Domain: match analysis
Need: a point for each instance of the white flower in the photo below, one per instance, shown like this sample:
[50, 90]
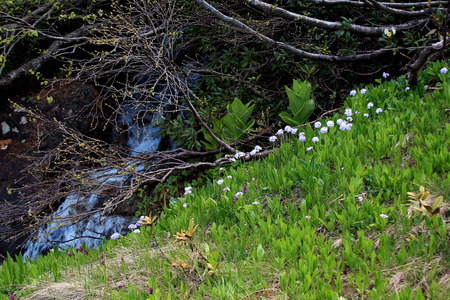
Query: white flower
[239, 155]
[384, 216]
[360, 199]
[348, 112]
[255, 202]
[280, 132]
[226, 189]
[407, 88]
[363, 91]
[353, 93]
[288, 129]
[315, 139]
[345, 126]
[272, 138]
[369, 105]
[232, 159]
[379, 110]
[229, 176]
[309, 148]
[115, 236]
[136, 231]
[324, 130]
[294, 130]
[220, 181]
[185, 204]
[238, 194]
[444, 70]
[350, 119]
[330, 123]
[366, 115]
[253, 152]
[302, 138]
[385, 75]
[339, 121]
[221, 169]
[258, 148]
[308, 217]
[317, 125]
[132, 226]
[187, 190]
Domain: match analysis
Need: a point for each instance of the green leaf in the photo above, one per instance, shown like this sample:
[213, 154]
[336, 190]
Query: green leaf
[303, 114]
[300, 93]
[300, 104]
[287, 118]
[260, 252]
[437, 203]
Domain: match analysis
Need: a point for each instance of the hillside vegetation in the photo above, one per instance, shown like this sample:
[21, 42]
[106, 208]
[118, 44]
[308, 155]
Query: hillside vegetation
[341, 211]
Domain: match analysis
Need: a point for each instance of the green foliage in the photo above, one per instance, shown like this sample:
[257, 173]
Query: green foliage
[183, 131]
[232, 127]
[301, 106]
[329, 223]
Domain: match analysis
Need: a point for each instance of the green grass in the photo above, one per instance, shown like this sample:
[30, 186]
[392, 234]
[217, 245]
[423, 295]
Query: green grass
[310, 226]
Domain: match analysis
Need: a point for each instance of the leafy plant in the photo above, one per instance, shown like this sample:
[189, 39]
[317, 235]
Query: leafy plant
[301, 106]
[234, 126]
[186, 236]
[424, 203]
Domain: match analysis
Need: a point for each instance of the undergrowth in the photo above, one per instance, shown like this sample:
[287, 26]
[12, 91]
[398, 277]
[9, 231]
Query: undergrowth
[332, 213]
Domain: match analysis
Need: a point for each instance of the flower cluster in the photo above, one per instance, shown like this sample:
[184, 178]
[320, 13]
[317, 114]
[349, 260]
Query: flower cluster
[115, 236]
[187, 190]
[343, 123]
[239, 155]
[256, 150]
[132, 226]
[81, 250]
[287, 129]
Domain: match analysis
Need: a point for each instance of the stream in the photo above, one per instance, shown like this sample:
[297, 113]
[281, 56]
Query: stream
[142, 137]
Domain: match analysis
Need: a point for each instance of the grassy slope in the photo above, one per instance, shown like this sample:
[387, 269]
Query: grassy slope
[310, 226]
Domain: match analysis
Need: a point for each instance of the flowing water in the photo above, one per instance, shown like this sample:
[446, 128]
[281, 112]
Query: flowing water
[143, 136]
[91, 230]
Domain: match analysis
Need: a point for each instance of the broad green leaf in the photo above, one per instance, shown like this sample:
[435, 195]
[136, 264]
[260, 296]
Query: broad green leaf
[287, 118]
[302, 116]
[437, 203]
[300, 93]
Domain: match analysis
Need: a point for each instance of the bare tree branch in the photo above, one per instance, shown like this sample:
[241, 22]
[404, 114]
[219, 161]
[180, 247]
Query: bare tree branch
[421, 60]
[50, 53]
[288, 48]
[369, 31]
[388, 4]
[400, 12]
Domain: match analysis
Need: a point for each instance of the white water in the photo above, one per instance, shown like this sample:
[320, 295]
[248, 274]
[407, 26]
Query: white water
[76, 234]
[142, 137]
